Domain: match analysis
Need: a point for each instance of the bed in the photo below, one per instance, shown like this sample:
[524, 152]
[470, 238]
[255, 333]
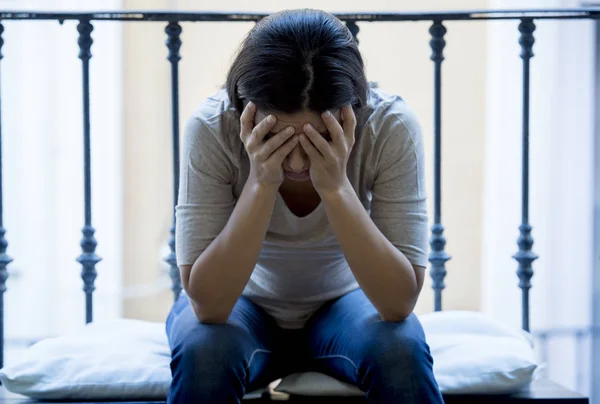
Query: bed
[477, 359]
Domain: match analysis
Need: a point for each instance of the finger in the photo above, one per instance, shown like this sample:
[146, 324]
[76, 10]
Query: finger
[348, 122]
[310, 149]
[335, 130]
[280, 154]
[274, 143]
[319, 142]
[260, 131]
[247, 119]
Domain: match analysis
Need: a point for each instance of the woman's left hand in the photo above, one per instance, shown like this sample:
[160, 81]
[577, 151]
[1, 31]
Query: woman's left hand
[328, 160]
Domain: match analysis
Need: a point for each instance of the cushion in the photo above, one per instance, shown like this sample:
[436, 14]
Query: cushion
[129, 359]
[121, 359]
[475, 354]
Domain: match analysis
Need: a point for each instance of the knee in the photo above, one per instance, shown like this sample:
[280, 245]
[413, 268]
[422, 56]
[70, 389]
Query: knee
[213, 349]
[397, 364]
[208, 362]
[398, 345]
[209, 345]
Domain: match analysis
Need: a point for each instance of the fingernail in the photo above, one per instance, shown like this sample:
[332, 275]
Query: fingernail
[271, 119]
[326, 114]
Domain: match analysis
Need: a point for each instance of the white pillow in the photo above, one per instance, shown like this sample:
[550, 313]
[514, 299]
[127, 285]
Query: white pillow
[472, 354]
[129, 359]
[119, 359]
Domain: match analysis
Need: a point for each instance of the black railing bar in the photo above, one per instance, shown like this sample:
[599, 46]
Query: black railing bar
[525, 256]
[437, 241]
[88, 258]
[141, 15]
[173, 31]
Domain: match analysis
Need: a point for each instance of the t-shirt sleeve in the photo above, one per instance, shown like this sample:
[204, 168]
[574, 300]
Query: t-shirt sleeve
[398, 205]
[206, 200]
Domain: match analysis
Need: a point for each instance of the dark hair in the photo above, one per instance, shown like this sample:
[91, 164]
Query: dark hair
[298, 59]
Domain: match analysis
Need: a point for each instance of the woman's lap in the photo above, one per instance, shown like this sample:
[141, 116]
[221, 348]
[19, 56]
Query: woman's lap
[346, 338]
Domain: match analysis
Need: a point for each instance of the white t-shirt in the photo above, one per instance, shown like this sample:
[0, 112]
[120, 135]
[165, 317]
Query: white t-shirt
[301, 264]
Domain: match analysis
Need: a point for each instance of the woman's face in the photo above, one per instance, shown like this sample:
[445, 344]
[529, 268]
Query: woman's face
[297, 163]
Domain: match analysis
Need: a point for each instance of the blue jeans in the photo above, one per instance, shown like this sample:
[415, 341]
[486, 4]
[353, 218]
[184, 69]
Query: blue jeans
[346, 339]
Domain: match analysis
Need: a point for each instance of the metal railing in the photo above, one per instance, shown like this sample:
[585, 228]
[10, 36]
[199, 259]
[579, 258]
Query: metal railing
[438, 256]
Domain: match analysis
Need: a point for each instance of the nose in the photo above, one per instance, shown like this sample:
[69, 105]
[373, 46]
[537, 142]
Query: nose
[296, 159]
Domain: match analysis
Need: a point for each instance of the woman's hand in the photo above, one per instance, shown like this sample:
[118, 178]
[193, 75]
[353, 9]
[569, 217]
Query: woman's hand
[266, 158]
[328, 160]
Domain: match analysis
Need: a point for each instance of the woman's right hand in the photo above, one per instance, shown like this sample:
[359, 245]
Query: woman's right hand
[266, 158]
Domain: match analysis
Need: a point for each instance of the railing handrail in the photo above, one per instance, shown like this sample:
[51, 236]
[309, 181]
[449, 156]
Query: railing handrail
[192, 16]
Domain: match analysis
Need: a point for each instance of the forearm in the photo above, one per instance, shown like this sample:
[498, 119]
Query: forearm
[221, 272]
[385, 274]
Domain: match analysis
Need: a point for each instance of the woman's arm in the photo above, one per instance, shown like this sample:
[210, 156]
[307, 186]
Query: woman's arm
[219, 236]
[218, 276]
[386, 251]
[385, 274]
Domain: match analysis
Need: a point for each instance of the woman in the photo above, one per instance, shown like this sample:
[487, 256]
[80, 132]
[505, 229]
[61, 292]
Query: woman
[301, 225]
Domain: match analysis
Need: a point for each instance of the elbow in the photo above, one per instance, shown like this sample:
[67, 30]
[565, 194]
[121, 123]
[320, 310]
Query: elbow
[207, 315]
[397, 314]
[402, 308]
[210, 317]
[211, 320]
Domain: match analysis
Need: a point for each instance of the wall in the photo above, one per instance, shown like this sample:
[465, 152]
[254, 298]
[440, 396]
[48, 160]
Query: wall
[147, 176]
[396, 56]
